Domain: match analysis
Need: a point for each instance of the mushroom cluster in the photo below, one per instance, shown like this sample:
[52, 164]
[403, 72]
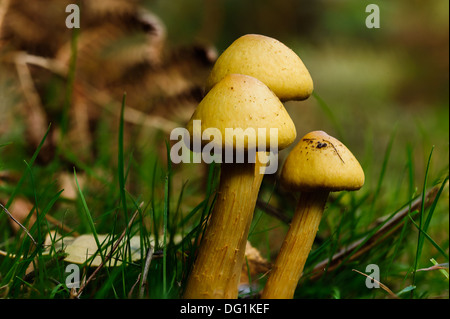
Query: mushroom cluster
[245, 91]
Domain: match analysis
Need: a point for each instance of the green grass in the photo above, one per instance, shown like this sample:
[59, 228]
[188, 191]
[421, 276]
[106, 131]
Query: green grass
[164, 215]
[132, 188]
[106, 204]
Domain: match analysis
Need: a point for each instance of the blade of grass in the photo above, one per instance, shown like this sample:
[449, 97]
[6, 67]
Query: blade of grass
[70, 82]
[206, 208]
[259, 213]
[91, 226]
[176, 214]
[42, 267]
[153, 205]
[411, 195]
[209, 190]
[425, 235]
[16, 190]
[410, 163]
[430, 215]
[249, 275]
[122, 178]
[167, 183]
[5, 144]
[434, 204]
[420, 238]
[382, 173]
[121, 164]
[165, 217]
[36, 208]
[398, 245]
[32, 160]
[89, 217]
[192, 213]
[406, 289]
[334, 244]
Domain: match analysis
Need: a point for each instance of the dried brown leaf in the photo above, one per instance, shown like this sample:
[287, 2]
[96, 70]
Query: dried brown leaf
[20, 209]
[256, 263]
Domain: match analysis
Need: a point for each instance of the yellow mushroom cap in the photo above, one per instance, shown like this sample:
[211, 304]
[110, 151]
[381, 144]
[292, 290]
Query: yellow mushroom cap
[320, 161]
[268, 60]
[244, 105]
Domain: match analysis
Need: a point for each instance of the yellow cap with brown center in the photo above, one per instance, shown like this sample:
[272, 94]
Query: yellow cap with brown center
[320, 161]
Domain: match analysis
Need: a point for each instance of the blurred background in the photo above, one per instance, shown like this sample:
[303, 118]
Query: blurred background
[382, 92]
[372, 80]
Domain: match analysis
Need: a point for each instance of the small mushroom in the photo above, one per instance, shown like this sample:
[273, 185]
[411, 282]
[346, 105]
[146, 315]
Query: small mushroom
[317, 165]
[268, 60]
[237, 102]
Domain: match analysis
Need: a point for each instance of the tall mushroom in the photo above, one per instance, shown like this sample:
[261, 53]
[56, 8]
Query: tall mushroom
[239, 104]
[317, 165]
[268, 60]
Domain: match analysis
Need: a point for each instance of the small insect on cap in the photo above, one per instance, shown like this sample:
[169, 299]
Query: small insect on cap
[319, 161]
[247, 108]
[268, 60]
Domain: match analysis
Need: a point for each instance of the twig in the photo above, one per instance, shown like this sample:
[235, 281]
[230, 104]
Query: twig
[270, 210]
[51, 65]
[130, 294]
[131, 115]
[435, 267]
[148, 261]
[61, 225]
[17, 222]
[383, 286]
[363, 245]
[99, 97]
[36, 115]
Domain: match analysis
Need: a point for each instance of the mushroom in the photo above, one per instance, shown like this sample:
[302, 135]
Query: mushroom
[239, 104]
[268, 60]
[317, 165]
[271, 62]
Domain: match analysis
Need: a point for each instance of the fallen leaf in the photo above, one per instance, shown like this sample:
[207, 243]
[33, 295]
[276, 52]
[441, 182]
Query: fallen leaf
[84, 247]
[257, 264]
[20, 209]
[67, 183]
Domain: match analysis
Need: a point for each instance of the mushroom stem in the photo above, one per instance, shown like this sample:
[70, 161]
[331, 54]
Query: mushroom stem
[288, 267]
[217, 269]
